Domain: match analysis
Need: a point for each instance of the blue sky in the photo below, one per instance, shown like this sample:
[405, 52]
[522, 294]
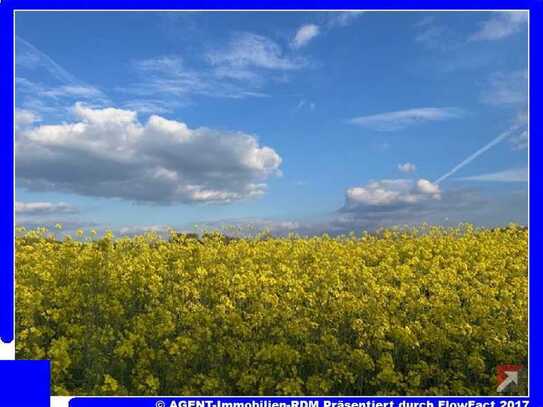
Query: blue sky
[292, 121]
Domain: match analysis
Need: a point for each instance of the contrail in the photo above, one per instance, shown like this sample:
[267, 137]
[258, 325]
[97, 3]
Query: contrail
[47, 62]
[475, 155]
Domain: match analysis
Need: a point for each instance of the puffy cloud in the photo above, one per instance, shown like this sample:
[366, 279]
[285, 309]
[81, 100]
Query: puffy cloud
[305, 34]
[398, 120]
[407, 167]
[502, 24]
[109, 153]
[426, 187]
[25, 118]
[449, 207]
[43, 208]
[391, 192]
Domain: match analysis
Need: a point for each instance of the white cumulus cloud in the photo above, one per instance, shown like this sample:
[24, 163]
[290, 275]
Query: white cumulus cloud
[426, 187]
[110, 153]
[25, 118]
[390, 192]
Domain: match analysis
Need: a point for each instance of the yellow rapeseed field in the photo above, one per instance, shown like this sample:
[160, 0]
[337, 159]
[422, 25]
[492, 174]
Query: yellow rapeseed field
[400, 312]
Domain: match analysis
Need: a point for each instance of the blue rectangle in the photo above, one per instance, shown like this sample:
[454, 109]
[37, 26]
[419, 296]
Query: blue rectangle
[25, 383]
[6, 175]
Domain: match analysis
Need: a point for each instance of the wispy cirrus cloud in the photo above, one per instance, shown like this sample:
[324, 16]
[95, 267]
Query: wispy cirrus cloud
[151, 106]
[401, 119]
[307, 32]
[304, 35]
[435, 36]
[75, 91]
[511, 133]
[452, 49]
[239, 68]
[30, 57]
[343, 18]
[53, 97]
[41, 97]
[245, 54]
[500, 25]
[56, 87]
[509, 175]
[521, 140]
[168, 78]
[506, 88]
[510, 91]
